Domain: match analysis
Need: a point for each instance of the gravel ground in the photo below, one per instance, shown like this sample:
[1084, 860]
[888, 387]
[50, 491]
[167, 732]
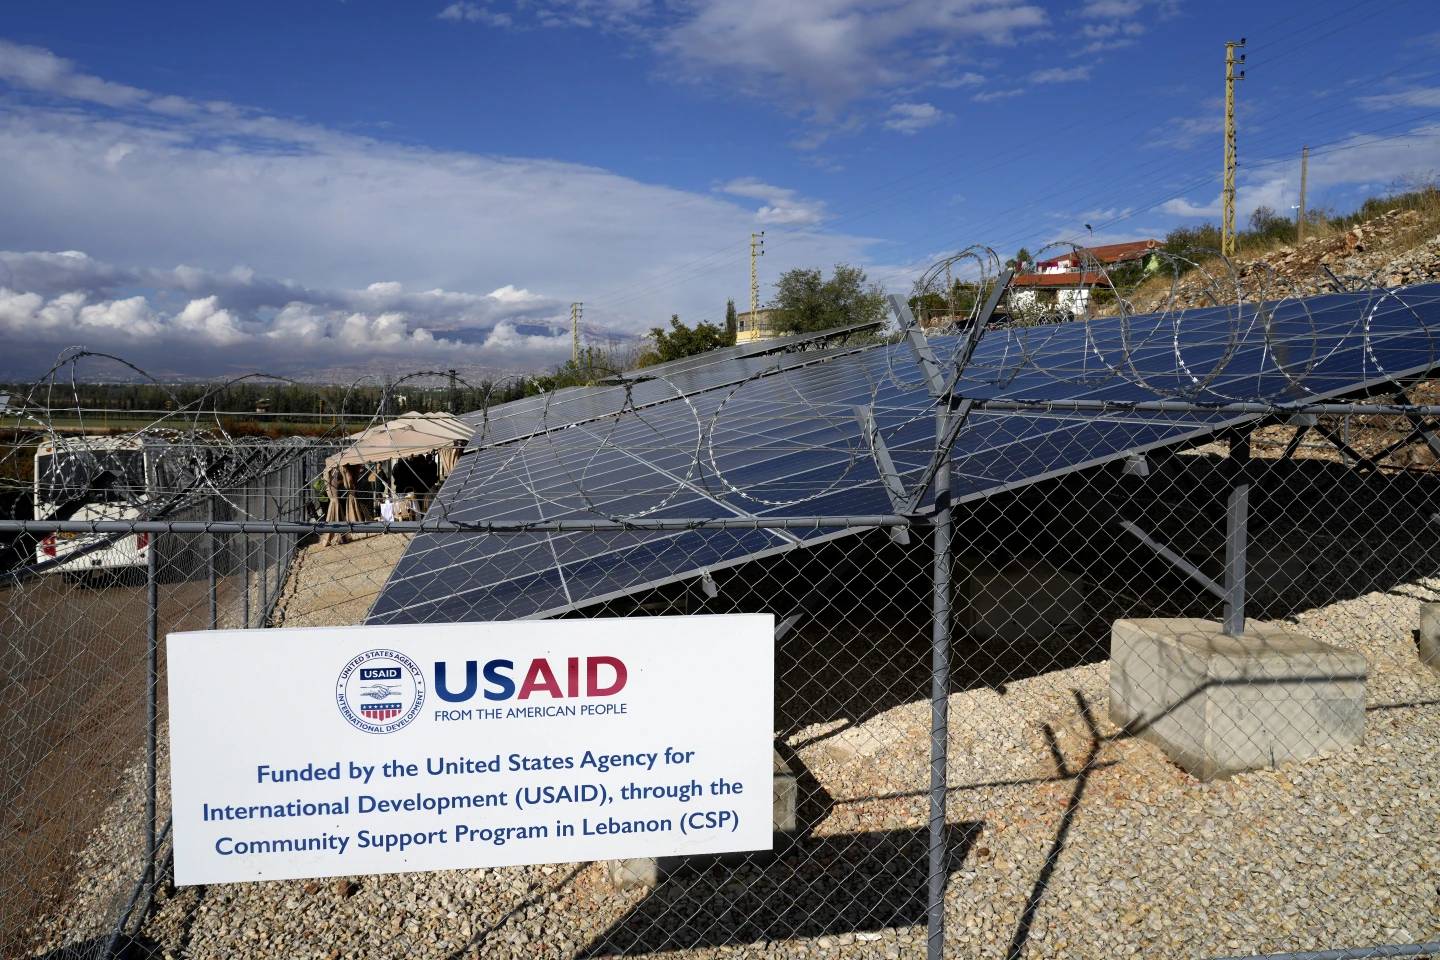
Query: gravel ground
[1068, 841]
[334, 585]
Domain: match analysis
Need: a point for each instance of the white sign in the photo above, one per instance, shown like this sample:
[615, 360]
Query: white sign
[334, 751]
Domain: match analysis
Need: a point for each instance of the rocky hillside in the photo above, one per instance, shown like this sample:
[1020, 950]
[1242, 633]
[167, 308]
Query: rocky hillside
[1396, 249]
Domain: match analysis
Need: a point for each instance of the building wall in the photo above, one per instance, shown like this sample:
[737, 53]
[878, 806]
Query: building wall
[748, 329]
[1073, 299]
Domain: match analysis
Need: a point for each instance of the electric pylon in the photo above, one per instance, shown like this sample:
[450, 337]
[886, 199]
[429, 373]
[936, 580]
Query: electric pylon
[1227, 194]
[757, 250]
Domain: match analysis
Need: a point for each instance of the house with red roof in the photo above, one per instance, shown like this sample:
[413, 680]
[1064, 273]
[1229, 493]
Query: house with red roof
[1063, 283]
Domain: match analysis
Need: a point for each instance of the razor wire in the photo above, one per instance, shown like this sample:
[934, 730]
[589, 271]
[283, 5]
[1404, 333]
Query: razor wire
[560, 455]
[1064, 825]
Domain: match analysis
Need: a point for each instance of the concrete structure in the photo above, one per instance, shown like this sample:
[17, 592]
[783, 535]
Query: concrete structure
[1429, 637]
[1219, 705]
[759, 325]
[649, 871]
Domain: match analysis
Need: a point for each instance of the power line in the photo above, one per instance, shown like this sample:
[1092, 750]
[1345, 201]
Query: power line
[682, 272]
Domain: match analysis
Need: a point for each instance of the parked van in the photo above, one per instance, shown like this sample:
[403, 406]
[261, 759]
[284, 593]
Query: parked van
[99, 478]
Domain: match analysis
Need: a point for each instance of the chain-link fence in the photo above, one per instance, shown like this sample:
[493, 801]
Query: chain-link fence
[1104, 638]
[1011, 725]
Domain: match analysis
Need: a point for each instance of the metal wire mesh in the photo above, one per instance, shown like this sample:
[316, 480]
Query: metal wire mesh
[1056, 673]
[1068, 831]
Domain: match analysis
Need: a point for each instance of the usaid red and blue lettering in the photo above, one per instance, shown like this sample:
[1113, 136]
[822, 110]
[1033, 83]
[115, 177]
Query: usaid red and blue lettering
[604, 676]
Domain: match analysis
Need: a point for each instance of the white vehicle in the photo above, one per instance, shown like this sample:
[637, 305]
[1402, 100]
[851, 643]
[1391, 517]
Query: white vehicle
[97, 478]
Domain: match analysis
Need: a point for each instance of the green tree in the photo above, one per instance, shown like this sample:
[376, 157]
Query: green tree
[730, 322]
[681, 341]
[934, 304]
[806, 302]
[1266, 224]
[1020, 261]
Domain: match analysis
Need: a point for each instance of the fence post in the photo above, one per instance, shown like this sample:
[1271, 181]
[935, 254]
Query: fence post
[939, 702]
[245, 555]
[1237, 517]
[212, 541]
[264, 550]
[152, 692]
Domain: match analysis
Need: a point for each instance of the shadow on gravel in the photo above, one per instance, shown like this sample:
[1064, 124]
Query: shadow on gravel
[821, 886]
[1041, 573]
[128, 948]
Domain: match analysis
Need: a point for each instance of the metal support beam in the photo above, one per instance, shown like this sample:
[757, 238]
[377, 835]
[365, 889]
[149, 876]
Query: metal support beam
[901, 309]
[245, 575]
[1338, 442]
[939, 707]
[1237, 539]
[211, 554]
[884, 465]
[1294, 443]
[783, 628]
[599, 525]
[1185, 566]
[925, 359]
[1432, 439]
[1002, 283]
[152, 694]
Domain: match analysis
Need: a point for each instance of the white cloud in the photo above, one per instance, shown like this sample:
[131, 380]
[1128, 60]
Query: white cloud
[1060, 75]
[816, 57]
[243, 200]
[781, 205]
[967, 79]
[1414, 97]
[1181, 207]
[1182, 133]
[509, 294]
[1111, 8]
[1370, 162]
[467, 12]
[834, 52]
[213, 323]
[986, 96]
[202, 338]
[38, 69]
[911, 118]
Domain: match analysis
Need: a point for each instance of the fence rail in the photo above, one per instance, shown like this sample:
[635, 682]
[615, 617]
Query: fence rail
[940, 708]
[1072, 677]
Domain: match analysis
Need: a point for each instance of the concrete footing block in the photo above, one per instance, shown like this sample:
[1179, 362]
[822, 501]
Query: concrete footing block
[1218, 705]
[649, 871]
[1429, 639]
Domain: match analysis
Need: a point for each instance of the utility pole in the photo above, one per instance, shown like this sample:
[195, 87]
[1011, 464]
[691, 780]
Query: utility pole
[576, 311]
[949, 297]
[757, 250]
[1227, 217]
[1304, 167]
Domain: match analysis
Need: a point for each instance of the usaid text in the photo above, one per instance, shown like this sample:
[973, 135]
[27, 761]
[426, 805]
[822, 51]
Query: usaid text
[597, 745]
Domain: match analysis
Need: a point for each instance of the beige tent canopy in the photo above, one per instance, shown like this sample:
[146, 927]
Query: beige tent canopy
[408, 435]
[371, 451]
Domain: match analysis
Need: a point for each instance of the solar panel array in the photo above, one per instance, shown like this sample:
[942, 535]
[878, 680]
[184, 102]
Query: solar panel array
[646, 386]
[789, 444]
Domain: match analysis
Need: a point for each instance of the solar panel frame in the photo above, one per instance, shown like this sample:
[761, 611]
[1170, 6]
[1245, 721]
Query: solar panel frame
[976, 472]
[647, 386]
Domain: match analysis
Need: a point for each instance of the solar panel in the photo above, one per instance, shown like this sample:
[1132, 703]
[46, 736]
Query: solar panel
[647, 386]
[789, 444]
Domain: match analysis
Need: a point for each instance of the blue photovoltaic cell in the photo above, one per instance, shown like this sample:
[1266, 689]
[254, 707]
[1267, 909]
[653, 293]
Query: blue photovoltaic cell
[788, 444]
[662, 382]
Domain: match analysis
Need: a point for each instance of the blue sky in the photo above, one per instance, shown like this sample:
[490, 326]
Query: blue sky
[316, 186]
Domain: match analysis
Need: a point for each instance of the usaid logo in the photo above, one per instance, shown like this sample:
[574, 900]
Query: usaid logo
[380, 691]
